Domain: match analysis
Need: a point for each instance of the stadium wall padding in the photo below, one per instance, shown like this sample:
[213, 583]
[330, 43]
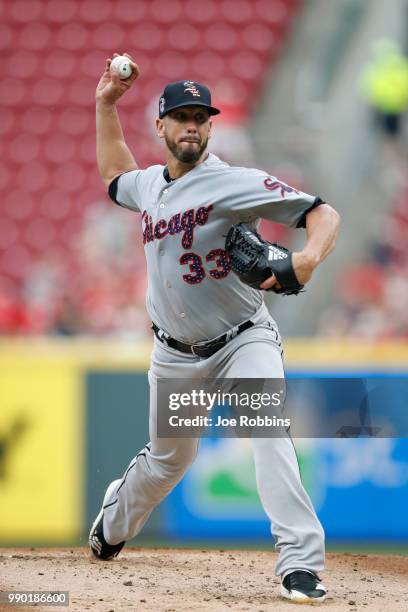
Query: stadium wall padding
[74, 413]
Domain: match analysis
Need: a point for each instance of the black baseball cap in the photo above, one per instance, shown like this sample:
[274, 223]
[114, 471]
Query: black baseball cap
[185, 93]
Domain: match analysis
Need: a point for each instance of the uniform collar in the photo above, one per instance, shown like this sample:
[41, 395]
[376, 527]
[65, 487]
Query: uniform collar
[166, 175]
[210, 158]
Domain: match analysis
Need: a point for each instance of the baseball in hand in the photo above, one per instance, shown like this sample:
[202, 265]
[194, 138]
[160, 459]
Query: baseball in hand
[121, 64]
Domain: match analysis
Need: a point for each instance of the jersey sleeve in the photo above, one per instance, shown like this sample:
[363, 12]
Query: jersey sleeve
[126, 188]
[264, 196]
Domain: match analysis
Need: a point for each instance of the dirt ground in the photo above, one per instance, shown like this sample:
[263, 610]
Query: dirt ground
[168, 580]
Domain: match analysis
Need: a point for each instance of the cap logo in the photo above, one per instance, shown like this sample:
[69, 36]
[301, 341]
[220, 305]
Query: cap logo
[191, 87]
[161, 104]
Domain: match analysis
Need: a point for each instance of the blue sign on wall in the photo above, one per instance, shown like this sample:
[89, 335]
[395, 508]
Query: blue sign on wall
[359, 485]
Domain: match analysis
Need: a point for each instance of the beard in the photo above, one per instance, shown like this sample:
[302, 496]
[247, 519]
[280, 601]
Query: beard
[186, 156]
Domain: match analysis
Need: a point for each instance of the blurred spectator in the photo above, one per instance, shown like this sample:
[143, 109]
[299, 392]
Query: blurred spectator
[41, 291]
[385, 85]
[13, 318]
[67, 320]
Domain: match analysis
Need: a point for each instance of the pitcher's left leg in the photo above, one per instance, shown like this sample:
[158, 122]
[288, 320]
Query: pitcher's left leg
[299, 535]
[295, 526]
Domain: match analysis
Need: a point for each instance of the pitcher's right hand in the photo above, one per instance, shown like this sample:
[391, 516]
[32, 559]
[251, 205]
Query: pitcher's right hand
[110, 87]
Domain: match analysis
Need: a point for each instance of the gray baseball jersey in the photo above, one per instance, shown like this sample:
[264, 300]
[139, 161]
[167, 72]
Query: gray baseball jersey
[192, 293]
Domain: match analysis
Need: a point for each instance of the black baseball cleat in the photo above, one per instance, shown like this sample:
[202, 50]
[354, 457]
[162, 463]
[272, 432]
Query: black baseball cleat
[302, 586]
[97, 543]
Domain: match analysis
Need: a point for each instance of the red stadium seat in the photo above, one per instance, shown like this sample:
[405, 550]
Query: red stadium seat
[12, 91]
[184, 37]
[69, 177]
[33, 177]
[39, 233]
[23, 11]
[131, 102]
[273, 12]
[109, 36]
[81, 91]
[208, 63]
[59, 64]
[59, 148]
[8, 233]
[47, 91]
[237, 11]
[199, 13]
[5, 177]
[17, 204]
[86, 148]
[75, 120]
[246, 65]
[37, 120]
[8, 120]
[17, 261]
[221, 37]
[152, 88]
[61, 11]
[95, 11]
[162, 12]
[24, 148]
[56, 204]
[146, 36]
[92, 64]
[7, 36]
[258, 37]
[171, 64]
[130, 11]
[72, 36]
[21, 64]
[144, 61]
[34, 36]
[231, 90]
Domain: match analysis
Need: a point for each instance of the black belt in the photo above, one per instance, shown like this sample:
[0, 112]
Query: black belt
[202, 349]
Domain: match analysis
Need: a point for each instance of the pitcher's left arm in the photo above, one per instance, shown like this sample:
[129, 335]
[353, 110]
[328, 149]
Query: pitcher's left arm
[322, 226]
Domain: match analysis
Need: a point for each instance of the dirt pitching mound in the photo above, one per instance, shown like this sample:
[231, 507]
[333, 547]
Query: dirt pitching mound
[176, 580]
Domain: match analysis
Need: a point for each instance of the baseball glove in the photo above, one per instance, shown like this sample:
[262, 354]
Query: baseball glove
[254, 260]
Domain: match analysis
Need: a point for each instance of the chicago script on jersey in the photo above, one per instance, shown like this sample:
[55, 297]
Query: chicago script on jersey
[177, 224]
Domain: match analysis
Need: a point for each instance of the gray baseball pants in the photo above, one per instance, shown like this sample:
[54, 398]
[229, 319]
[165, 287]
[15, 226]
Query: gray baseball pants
[154, 472]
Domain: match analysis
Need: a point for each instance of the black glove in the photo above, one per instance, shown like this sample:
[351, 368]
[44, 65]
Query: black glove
[255, 260]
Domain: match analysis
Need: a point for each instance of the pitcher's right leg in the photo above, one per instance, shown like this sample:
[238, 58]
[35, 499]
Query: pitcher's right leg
[151, 475]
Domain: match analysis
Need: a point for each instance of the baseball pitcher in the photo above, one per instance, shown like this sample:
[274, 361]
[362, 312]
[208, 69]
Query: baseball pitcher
[205, 301]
